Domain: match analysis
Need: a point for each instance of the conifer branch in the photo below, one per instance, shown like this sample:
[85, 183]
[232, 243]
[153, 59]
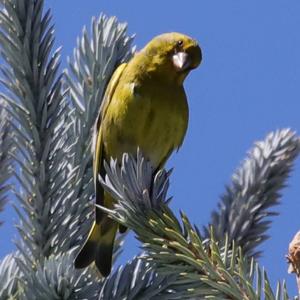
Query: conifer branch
[33, 92]
[9, 272]
[136, 280]
[246, 207]
[204, 268]
[6, 146]
[58, 279]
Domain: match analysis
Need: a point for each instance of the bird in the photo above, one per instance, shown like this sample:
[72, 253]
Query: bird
[144, 106]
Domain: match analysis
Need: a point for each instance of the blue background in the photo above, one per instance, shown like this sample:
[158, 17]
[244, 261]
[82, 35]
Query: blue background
[247, 86]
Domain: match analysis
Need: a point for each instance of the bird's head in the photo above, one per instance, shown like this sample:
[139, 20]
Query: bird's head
[173, 55]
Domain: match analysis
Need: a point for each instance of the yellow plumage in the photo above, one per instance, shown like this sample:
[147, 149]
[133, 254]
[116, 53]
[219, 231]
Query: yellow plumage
[144, 106]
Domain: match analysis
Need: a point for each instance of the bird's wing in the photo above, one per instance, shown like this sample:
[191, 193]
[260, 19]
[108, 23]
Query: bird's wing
[97, 138]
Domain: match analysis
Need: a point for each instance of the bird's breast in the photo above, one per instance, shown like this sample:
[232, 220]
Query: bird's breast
[151, 117]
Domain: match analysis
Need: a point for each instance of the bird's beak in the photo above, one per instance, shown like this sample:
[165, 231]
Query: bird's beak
[181, 61]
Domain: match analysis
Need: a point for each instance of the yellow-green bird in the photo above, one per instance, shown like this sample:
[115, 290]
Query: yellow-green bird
[144, 106]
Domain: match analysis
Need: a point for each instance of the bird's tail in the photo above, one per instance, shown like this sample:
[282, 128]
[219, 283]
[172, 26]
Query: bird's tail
[105, 246]
[98, 247]
[87, 252]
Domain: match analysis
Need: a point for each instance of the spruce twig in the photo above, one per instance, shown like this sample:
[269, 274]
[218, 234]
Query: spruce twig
[247, 205]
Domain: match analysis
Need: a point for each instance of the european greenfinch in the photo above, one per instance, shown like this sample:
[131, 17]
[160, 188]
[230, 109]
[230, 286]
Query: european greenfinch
[144, 106]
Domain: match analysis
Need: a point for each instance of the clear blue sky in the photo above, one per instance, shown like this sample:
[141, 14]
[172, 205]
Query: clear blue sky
[247, 85]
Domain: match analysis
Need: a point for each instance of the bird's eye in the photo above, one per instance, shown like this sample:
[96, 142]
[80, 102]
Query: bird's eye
[179, 43]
